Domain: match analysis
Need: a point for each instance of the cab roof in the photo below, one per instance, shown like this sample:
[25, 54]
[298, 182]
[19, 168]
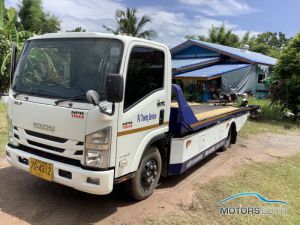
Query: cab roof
[123, 38]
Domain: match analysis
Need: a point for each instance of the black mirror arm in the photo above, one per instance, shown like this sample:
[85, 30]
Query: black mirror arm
[102, 110]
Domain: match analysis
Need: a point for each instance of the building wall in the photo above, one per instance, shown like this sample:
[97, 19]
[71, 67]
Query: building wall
[239, 80]
[262, 91]
[246, 78]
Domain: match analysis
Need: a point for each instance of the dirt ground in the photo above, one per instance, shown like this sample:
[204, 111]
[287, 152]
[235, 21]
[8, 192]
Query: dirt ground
[25, 199]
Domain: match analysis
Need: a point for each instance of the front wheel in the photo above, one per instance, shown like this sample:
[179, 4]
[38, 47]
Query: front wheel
[147, 176]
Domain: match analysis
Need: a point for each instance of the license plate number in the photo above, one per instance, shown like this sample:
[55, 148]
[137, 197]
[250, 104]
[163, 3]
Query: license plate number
[41, 169]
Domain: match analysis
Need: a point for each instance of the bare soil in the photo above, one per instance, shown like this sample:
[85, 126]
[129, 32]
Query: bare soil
[25, 199]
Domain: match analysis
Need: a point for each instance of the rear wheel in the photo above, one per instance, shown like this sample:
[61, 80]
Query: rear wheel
[227, 141]
[147, 176]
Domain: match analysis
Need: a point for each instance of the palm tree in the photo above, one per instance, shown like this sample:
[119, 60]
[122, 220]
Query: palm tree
[127, 23]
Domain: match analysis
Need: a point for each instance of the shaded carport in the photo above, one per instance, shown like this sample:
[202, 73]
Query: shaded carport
[222, 74]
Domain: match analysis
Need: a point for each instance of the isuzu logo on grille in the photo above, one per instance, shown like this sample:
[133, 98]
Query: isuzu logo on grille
[43, 127]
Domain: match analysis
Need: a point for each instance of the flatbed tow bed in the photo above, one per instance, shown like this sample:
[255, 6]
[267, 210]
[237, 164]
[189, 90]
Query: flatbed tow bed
[188, 118]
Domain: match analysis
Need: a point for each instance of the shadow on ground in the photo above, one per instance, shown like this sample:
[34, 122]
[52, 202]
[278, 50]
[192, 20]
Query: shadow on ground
[36, 201]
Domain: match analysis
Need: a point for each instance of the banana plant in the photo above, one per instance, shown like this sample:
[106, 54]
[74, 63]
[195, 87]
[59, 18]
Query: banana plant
[9, 31]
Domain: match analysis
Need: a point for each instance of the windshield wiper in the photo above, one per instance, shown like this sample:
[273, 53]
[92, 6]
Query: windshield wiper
[40, 91]
[78, 97]
[32, 91]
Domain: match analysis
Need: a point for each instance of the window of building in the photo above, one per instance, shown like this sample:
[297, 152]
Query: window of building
[145, 74]
[261, 78]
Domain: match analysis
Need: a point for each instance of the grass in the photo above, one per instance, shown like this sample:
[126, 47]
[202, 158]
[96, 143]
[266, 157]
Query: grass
[269, 112]
[265, 126]
[271, 121]
[3, 132]
[274, 180]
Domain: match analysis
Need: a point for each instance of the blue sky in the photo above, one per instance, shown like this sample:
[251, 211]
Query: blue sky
[173, 19]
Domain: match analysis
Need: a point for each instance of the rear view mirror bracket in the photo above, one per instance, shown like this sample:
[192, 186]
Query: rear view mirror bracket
[93, 97]
[103, 110]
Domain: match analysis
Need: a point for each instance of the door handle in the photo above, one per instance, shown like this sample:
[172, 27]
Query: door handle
[161, 117]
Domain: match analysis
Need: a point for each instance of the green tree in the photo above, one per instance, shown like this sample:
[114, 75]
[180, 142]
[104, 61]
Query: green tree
[9, 35]
[219, 35]
[267, 43]
[286, 79]
[128, 23]
[77, 29]
[34, 19]
[260, 48]
[2, 12]
[50, 24]
[273, 39]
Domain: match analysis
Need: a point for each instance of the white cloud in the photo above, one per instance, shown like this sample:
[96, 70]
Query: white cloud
[219, 7]
[171, 27]
[90, 14]
[91, 9]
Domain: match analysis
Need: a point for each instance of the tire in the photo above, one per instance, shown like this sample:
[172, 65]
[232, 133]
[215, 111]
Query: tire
[227, 141]
[147, 176]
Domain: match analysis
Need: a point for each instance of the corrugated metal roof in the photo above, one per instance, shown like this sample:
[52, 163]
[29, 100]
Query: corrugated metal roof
[211, 71]
[181, 63]
[240, 54]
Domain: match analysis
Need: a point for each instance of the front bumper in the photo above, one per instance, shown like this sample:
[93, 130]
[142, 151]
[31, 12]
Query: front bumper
[79, 176]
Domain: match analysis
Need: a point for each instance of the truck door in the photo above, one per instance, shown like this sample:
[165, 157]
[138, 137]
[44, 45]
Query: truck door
[143, 111]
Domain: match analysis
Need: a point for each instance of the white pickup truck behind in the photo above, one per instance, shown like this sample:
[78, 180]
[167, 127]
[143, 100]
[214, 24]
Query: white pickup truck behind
[90, 110]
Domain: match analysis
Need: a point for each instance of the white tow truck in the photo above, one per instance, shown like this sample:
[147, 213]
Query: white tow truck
[89, 110]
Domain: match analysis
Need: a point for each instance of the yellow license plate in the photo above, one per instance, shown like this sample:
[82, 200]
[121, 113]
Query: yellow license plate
[41, 169]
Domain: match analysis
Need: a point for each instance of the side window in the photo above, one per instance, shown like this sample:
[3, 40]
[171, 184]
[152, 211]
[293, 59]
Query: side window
[261, 78]
[145, 74]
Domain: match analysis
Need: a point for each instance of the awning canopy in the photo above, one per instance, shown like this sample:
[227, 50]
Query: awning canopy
[210, 72]
[180, 64]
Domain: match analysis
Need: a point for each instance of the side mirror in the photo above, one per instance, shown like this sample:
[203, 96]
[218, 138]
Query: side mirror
[114, 88]
[93, 97]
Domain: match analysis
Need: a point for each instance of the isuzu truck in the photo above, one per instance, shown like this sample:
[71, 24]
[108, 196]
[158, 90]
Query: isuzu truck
[90, 110]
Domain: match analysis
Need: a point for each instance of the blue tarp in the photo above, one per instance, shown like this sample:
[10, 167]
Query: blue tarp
[211, 71]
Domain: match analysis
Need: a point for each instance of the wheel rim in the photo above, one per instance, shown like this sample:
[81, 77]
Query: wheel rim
[149, 174]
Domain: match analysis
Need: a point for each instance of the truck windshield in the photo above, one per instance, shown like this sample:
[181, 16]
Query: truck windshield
[67, 68]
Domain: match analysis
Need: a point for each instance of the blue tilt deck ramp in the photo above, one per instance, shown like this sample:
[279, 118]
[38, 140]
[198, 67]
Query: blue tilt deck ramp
[183, 120]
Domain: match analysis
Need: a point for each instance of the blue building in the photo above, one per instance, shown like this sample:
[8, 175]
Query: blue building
[204, 69]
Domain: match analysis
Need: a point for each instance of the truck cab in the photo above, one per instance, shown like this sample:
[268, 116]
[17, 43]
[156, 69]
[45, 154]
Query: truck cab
[53, 126]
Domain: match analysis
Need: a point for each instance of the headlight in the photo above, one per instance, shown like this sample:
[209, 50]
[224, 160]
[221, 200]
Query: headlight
[10, 132]
[97, 148]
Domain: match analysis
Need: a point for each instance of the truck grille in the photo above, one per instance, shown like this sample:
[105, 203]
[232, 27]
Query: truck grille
[50, 144]
[51, 148]
[45, 136]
